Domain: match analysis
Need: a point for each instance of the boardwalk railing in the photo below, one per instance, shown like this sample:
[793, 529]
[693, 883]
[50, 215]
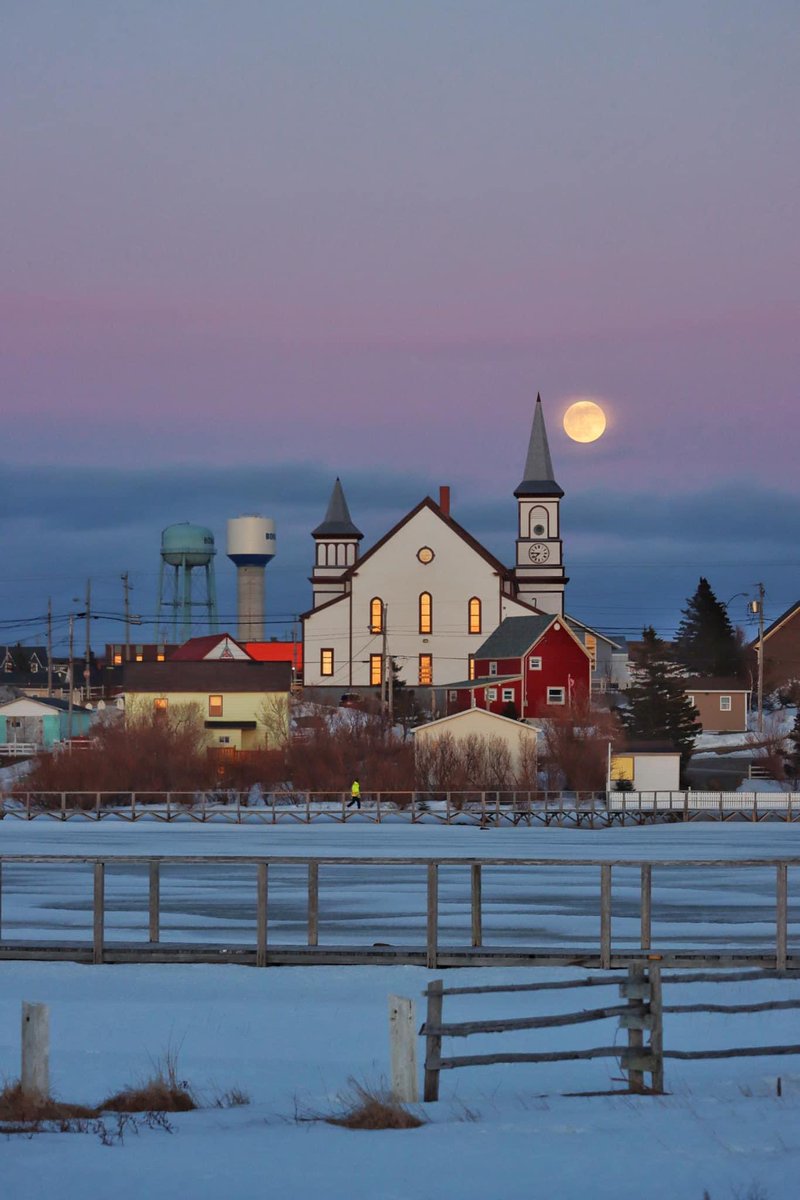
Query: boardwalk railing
[580, 809]
[773, 952]
[641, 1014]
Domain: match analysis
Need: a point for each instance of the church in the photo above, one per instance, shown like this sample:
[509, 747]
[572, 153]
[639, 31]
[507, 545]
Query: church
[428, 594]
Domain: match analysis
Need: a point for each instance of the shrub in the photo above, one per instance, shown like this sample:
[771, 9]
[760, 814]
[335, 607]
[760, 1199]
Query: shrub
[370, 1109]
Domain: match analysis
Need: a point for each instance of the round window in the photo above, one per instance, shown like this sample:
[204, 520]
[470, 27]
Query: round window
[425, 554]
[538, 530]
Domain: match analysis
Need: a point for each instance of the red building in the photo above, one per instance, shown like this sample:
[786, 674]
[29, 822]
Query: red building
[536, 664]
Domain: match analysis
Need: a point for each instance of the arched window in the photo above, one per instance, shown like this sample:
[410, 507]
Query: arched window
[474, 625]
[538, 522]
[425, 612]
[341, 555]
[376, 615]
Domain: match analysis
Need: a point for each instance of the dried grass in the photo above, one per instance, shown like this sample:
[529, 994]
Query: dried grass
[370, 1109]
[23, 1108]
[162, 1092]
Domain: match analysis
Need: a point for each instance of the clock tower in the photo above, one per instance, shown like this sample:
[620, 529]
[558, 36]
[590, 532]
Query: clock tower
[539, 568]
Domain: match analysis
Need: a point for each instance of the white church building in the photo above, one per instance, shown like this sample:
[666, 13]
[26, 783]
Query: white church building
[427, 594]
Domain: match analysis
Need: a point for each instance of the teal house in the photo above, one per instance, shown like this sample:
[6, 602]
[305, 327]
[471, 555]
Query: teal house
[40, 722]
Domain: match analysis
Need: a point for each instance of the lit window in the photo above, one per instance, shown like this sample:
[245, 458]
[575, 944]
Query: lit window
[215, 706]
[376, 615]
[535, 662]
[425, 669]
[376, 669]
[160, 706]
[591, 646]
[471, 661]
[425, 612]
[491, 693]
[34, 666]
[117, 659]
[140, 653]
[474, 615]
[326, 662]
[725, 704]
[492, 668]
[555, 695]
[160, 655]
[508, 693]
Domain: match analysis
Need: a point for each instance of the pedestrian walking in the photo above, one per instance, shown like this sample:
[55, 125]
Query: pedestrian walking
[355, 794]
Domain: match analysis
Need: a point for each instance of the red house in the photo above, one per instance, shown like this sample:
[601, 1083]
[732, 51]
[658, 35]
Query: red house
[535, 663]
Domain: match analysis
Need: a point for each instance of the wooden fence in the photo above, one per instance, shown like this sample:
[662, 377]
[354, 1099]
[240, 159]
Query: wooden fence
[641, 1013]
[484, 808]
[774, 952]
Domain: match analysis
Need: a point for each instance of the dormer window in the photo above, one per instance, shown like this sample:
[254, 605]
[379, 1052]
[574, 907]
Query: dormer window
[492, 668]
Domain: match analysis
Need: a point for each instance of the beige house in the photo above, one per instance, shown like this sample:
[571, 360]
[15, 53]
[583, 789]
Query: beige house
[722, 704]
[521, 739]
[646, 770]
[244, 705]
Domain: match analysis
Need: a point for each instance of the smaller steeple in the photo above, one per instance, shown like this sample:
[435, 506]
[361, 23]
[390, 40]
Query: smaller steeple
[338, 523]
[538, 478]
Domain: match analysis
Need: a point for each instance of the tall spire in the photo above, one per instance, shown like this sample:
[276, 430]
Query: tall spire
[538, 478]
[338, 522]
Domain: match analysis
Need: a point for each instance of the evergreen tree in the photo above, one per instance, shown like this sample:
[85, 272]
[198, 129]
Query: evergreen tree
[658, 707]
[792, 760]
[706, 643]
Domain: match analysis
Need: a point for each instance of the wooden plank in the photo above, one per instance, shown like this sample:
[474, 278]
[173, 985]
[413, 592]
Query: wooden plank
[313, 903]
[35, 1072]
[433, 1043]
[262, 885]
[481, 1060]
[403, 1049]
[764, 1006]
[433, 916]
[549, 985]
[475, 904]
[635, 1036]
[98, 912]
[509, 1024]
[739, 1052]
[635, 991]
[646, 903]
[657, 1031]
[605, 915]
[154, 900]
[781, 915]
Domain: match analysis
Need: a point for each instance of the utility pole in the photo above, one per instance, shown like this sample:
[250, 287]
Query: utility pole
[386, 689]
[757, 606]
[87, 666]
[69, 674]
[50, 646]
[126, 608]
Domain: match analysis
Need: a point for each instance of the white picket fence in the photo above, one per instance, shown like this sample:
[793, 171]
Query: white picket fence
[679, 802]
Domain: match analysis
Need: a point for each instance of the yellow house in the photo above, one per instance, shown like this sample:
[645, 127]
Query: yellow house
[244, 705]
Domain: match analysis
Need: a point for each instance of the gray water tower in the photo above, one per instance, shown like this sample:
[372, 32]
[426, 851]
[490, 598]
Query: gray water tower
[186, 549]
[251, 545]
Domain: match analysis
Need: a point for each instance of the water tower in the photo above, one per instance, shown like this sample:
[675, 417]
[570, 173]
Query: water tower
[185, 549]
[251, 545]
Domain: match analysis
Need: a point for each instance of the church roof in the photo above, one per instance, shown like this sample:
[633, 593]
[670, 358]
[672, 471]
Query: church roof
[538, 479]
[338, 522]
[514, 637]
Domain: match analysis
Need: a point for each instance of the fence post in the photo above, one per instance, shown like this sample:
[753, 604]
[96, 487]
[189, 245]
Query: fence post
[154, 900]
[261, 913]
[97, 805]
[781, 916]
[98, 911]
[657, 1031]
[403, 1050]
[646, 903]
[636, 977]
[63, 806]
[35, 1073]
[605, 916]
[475, 890]
[433, 1041]
[313, 903]
[433, 915]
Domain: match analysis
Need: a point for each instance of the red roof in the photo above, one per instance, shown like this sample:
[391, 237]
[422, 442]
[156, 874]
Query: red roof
[196, 649]
[291, 652]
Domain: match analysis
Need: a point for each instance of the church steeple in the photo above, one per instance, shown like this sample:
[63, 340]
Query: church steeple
[540, 569]
[337, 541]
[538, 479]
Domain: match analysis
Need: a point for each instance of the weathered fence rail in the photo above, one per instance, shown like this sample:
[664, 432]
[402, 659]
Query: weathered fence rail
[430, 951]
[643, 1013]
[485, 808]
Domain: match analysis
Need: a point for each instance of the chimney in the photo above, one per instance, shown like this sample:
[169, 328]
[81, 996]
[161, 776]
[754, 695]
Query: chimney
[444, 500]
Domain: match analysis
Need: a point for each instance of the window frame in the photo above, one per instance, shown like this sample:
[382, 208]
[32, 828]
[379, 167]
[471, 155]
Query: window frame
[492, 668]
[425, 618]
[507, 694]
[551, 698]
[535, 662]
[161, 706]
[425, 670]
[726, 707]
[376, 669]
[491, 695]
[474, 615]
[215, 704]
[376, 625]
[327, 661]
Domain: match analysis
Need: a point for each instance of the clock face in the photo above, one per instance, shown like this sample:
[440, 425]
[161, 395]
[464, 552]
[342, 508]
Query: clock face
[538, 552]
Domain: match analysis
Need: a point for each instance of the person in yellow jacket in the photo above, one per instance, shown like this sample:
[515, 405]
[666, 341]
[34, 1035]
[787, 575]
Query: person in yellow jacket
[355, 794]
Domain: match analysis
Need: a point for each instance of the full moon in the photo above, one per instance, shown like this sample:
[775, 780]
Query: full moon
[584, 421]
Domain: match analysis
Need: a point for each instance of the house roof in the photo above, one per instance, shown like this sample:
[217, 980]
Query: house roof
[207, 676]
[197, 649]
[699, 683]
[776, 624]
[514, 636]
[482, 681]
[46, 702]
[485, 715]
[338, 522]
[538, 479]
[276, 652]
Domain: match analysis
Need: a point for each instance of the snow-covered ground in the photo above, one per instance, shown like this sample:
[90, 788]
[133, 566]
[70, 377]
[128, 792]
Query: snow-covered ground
[292, 1037]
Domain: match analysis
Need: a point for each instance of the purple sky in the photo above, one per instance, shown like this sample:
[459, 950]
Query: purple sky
[279, 242]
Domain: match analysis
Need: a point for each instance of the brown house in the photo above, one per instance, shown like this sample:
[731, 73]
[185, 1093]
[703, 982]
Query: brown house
[782, 650]
[722, 704]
